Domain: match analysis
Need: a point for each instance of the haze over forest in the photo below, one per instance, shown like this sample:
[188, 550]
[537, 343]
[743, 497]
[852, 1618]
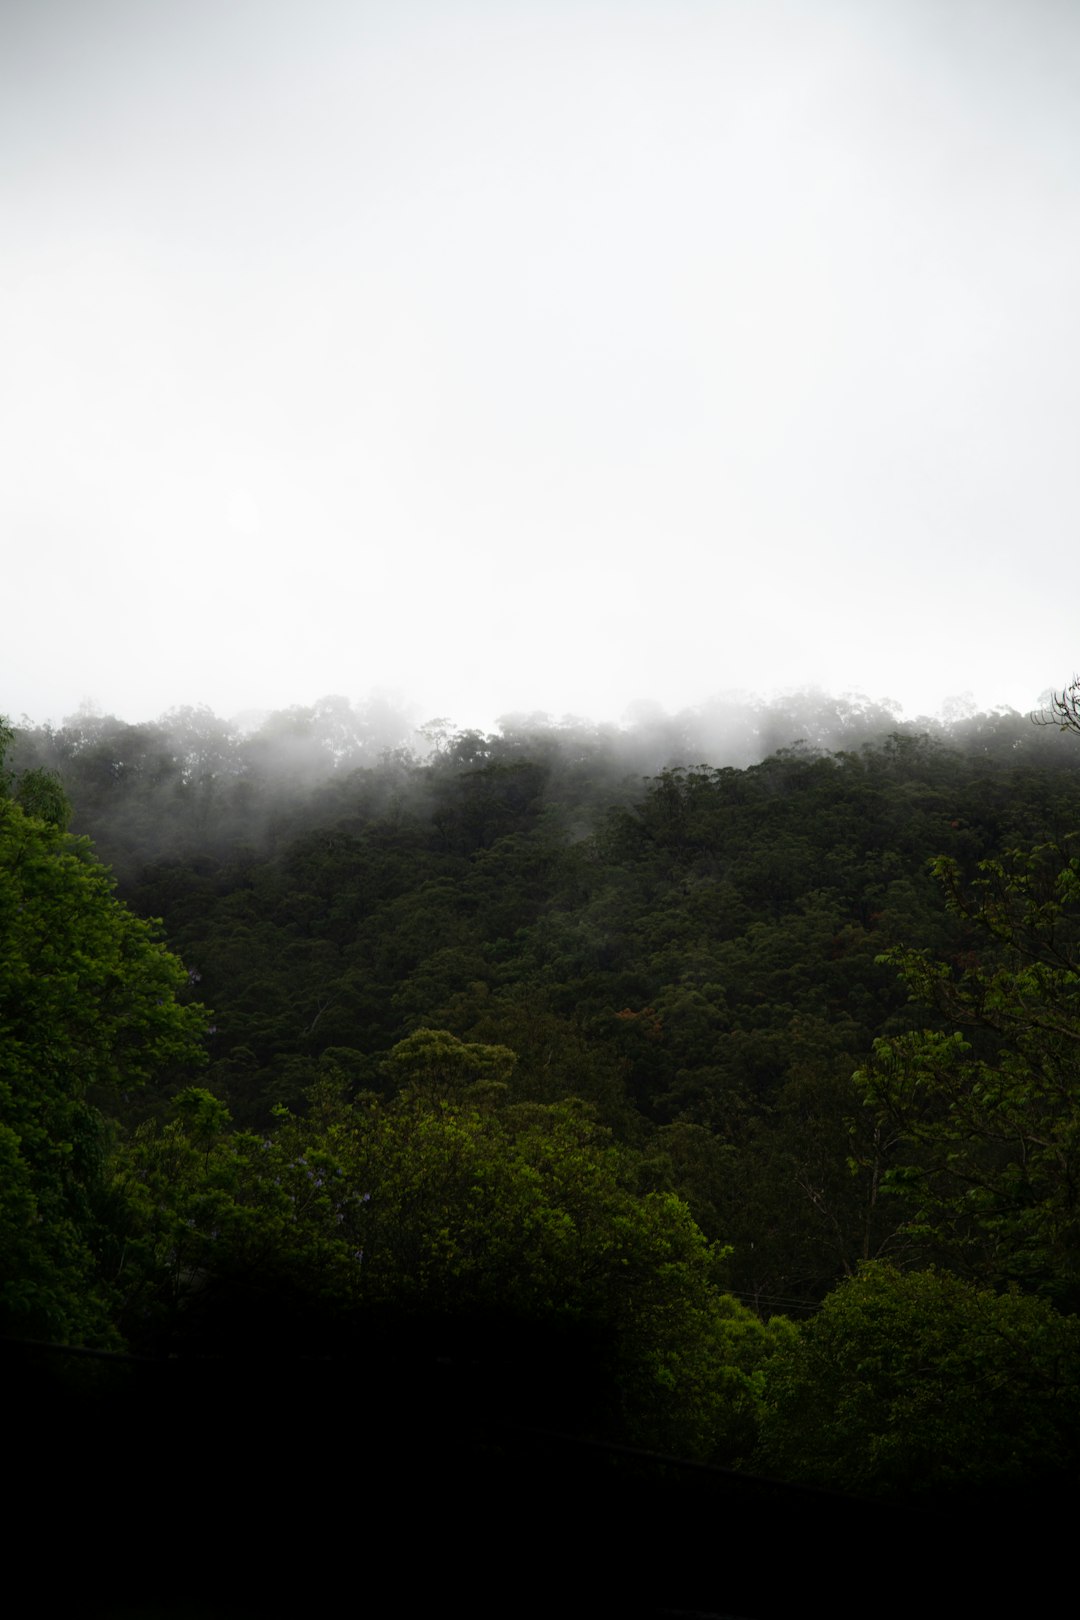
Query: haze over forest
[514, 357]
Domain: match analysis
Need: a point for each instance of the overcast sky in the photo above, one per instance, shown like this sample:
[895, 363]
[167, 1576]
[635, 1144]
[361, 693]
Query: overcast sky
[537, 355]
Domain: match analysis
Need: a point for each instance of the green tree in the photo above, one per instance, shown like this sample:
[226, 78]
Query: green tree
[915, 1384]
[39, 791]
[41, 794]
[88, 1004]
[532, 1215]
[514, 1238]
[436, 1063]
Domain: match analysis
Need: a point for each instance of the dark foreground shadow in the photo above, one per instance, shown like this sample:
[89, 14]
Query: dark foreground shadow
[395, 1482]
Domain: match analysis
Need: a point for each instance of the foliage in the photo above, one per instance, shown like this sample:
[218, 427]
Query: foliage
[496, 1231]
[436, 1064]
[922, 1384]
[990, 1110]
[88, 1000]
[39, 792]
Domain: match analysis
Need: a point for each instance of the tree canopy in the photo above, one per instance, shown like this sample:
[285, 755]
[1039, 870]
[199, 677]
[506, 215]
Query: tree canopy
[919, 1384]
[512, 1235]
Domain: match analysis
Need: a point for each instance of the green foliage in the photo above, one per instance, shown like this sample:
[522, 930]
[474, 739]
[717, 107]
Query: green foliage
[990, 1110]
[87, 1000]
[436, 1063]
[922, 1384]
[41, 794]
[461, 1218]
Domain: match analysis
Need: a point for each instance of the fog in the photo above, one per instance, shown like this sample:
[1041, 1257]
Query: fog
[536, 356]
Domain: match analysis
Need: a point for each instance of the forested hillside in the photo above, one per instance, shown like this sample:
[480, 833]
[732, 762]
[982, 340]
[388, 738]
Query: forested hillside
[742, 1097]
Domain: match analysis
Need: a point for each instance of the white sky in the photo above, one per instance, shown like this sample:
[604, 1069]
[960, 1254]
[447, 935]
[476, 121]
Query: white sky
[536, 355]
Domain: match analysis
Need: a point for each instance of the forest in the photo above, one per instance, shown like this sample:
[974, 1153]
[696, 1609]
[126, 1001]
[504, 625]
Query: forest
[701, 1093]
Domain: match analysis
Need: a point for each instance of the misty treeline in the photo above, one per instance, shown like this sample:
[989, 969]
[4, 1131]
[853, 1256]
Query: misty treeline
[727, 1108]
[194, 780]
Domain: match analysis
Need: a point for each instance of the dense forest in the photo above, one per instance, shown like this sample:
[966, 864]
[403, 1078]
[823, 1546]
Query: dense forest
[560, 1083]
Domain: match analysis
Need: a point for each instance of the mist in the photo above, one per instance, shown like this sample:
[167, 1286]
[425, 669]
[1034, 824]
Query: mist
[194, 786]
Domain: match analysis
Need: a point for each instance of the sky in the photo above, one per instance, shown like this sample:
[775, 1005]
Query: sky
[536, 355]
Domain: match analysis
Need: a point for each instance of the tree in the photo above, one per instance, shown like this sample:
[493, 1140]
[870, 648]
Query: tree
[529, 1221]
[919, 1384]
[1061, 709]
[40, 792]
[513, 1240]
[436, 1064]
[88, 1004]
